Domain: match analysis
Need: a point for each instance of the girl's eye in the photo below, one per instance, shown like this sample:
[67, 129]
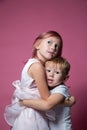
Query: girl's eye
[56, 46]
[49, 42]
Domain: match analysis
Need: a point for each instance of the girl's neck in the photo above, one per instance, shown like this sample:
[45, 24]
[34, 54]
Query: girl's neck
[42, 61]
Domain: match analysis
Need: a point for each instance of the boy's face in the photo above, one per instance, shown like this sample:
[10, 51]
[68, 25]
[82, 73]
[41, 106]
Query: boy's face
[54, 74]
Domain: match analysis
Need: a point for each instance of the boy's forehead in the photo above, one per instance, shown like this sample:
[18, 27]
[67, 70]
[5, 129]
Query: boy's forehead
[50, 63]
[53, 64]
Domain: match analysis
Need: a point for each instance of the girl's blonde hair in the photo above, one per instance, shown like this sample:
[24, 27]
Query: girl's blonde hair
[46, 35]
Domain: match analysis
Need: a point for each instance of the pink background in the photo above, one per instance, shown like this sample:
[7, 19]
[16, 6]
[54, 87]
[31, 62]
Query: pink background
[20, 22]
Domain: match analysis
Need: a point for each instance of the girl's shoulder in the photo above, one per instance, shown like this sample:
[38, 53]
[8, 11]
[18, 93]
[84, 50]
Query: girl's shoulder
[28, 64]
[31, 61]
[35, 61]
[34, 65]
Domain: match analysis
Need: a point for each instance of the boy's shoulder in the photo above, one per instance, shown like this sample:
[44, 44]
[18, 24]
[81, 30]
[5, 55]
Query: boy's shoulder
[62, 89]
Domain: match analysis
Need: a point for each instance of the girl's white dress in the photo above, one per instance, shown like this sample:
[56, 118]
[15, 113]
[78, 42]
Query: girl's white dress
[25, 118]
[63, 114]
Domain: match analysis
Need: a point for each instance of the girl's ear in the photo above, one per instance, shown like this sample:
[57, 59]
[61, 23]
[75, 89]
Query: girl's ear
[37, 43]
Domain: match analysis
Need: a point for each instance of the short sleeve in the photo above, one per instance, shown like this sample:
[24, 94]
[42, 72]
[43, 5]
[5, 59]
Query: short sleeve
[61, 89]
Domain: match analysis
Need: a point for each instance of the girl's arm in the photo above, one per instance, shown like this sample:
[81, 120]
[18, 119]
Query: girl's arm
[37, 72]
[44, 105]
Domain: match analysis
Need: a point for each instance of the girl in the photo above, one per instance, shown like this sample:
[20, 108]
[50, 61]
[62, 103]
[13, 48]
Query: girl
[33, 80]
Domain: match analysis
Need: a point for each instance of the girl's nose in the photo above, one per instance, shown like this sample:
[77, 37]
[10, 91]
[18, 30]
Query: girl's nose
[53, 47]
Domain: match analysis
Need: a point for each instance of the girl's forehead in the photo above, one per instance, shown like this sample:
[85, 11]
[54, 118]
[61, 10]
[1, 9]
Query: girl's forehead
[52, 38]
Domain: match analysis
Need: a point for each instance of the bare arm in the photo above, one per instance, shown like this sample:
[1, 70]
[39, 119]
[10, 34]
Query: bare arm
[53, 100]
[44, 105]
[37, 72]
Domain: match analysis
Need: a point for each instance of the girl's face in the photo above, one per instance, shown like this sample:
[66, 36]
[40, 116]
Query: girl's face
[48, 48]
[54, 74]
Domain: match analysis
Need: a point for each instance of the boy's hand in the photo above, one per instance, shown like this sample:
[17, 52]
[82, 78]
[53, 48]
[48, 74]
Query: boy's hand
[71, 101]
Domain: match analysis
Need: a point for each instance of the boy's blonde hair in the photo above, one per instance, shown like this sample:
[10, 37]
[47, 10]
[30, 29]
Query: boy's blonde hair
[63, 64]
[46, 35]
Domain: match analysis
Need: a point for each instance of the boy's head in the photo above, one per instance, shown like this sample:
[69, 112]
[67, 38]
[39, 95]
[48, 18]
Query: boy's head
[57, 71]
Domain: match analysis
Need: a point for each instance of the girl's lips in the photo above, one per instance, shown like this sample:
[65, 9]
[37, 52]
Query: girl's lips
[51, 52]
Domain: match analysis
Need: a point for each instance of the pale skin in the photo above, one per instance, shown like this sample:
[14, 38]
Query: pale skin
[54, 78]
[47, 49]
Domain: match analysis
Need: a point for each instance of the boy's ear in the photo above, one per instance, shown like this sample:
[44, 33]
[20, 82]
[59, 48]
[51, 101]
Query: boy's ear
[66, 78]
